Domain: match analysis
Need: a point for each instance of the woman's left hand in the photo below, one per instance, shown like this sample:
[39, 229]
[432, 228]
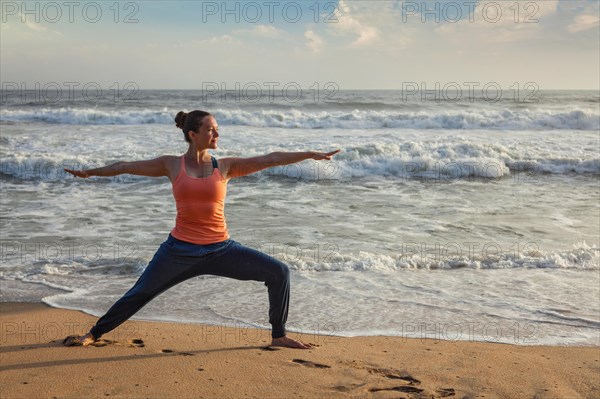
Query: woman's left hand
[323, 155]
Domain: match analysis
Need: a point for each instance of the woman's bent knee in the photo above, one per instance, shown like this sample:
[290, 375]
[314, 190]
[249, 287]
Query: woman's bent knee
[283, 271]
[279, 273]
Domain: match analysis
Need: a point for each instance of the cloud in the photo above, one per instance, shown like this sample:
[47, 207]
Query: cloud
[347, 24]
[223, 39]
[36, 26]
[584, 22]
[314, 42]
[264, 31]
[544, 8]
[500, 22]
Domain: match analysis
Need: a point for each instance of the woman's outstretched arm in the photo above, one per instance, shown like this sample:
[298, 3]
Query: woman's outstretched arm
[238, 167]
[152, 168]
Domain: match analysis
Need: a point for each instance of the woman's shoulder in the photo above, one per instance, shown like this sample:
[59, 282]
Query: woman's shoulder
[169, 160]
[171, 163]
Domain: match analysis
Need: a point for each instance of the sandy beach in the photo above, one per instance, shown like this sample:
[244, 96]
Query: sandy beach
[167, 360]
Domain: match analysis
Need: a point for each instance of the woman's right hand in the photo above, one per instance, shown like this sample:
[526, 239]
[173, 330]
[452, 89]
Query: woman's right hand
[323, 155]
[78, 173]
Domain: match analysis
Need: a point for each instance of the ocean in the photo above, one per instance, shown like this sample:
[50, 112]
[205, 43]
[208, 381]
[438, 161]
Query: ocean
[444, 218]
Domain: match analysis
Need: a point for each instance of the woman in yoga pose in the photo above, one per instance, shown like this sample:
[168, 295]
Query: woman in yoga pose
[200, 243]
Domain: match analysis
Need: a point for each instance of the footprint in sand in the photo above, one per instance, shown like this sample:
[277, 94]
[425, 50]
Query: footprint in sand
[73, 340]
[410, 381]
[311, 364]
[132, 343]
[446, 392]
[402, 388]
[136, 343]
[101, 342]
[388, 373]
[348, 387]
[410, 388]
[406, 378]
[178, 353]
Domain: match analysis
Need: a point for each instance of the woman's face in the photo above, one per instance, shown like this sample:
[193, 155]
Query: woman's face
[207, 136]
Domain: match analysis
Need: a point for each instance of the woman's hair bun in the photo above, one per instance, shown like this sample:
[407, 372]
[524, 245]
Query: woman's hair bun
[190, 121]
[180, 119]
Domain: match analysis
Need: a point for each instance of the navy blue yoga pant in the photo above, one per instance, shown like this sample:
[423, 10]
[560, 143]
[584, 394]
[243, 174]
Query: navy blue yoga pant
[176, 261]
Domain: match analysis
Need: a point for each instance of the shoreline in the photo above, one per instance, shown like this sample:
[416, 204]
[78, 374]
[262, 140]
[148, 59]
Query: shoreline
[456, 330]
[410, 335]
[166, 359]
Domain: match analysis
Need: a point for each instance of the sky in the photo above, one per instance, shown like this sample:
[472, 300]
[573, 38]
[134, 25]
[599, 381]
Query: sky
[553, 44]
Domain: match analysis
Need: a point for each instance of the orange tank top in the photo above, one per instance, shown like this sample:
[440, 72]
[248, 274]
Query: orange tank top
[200, 207]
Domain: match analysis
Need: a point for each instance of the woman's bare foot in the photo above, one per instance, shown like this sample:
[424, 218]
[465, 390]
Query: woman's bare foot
[87, 339]
[76, 340]
[290, 343]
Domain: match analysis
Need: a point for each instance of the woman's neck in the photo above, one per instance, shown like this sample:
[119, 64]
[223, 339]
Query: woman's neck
[198, 156]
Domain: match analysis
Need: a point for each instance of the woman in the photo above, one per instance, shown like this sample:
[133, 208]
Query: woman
[200, 243]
